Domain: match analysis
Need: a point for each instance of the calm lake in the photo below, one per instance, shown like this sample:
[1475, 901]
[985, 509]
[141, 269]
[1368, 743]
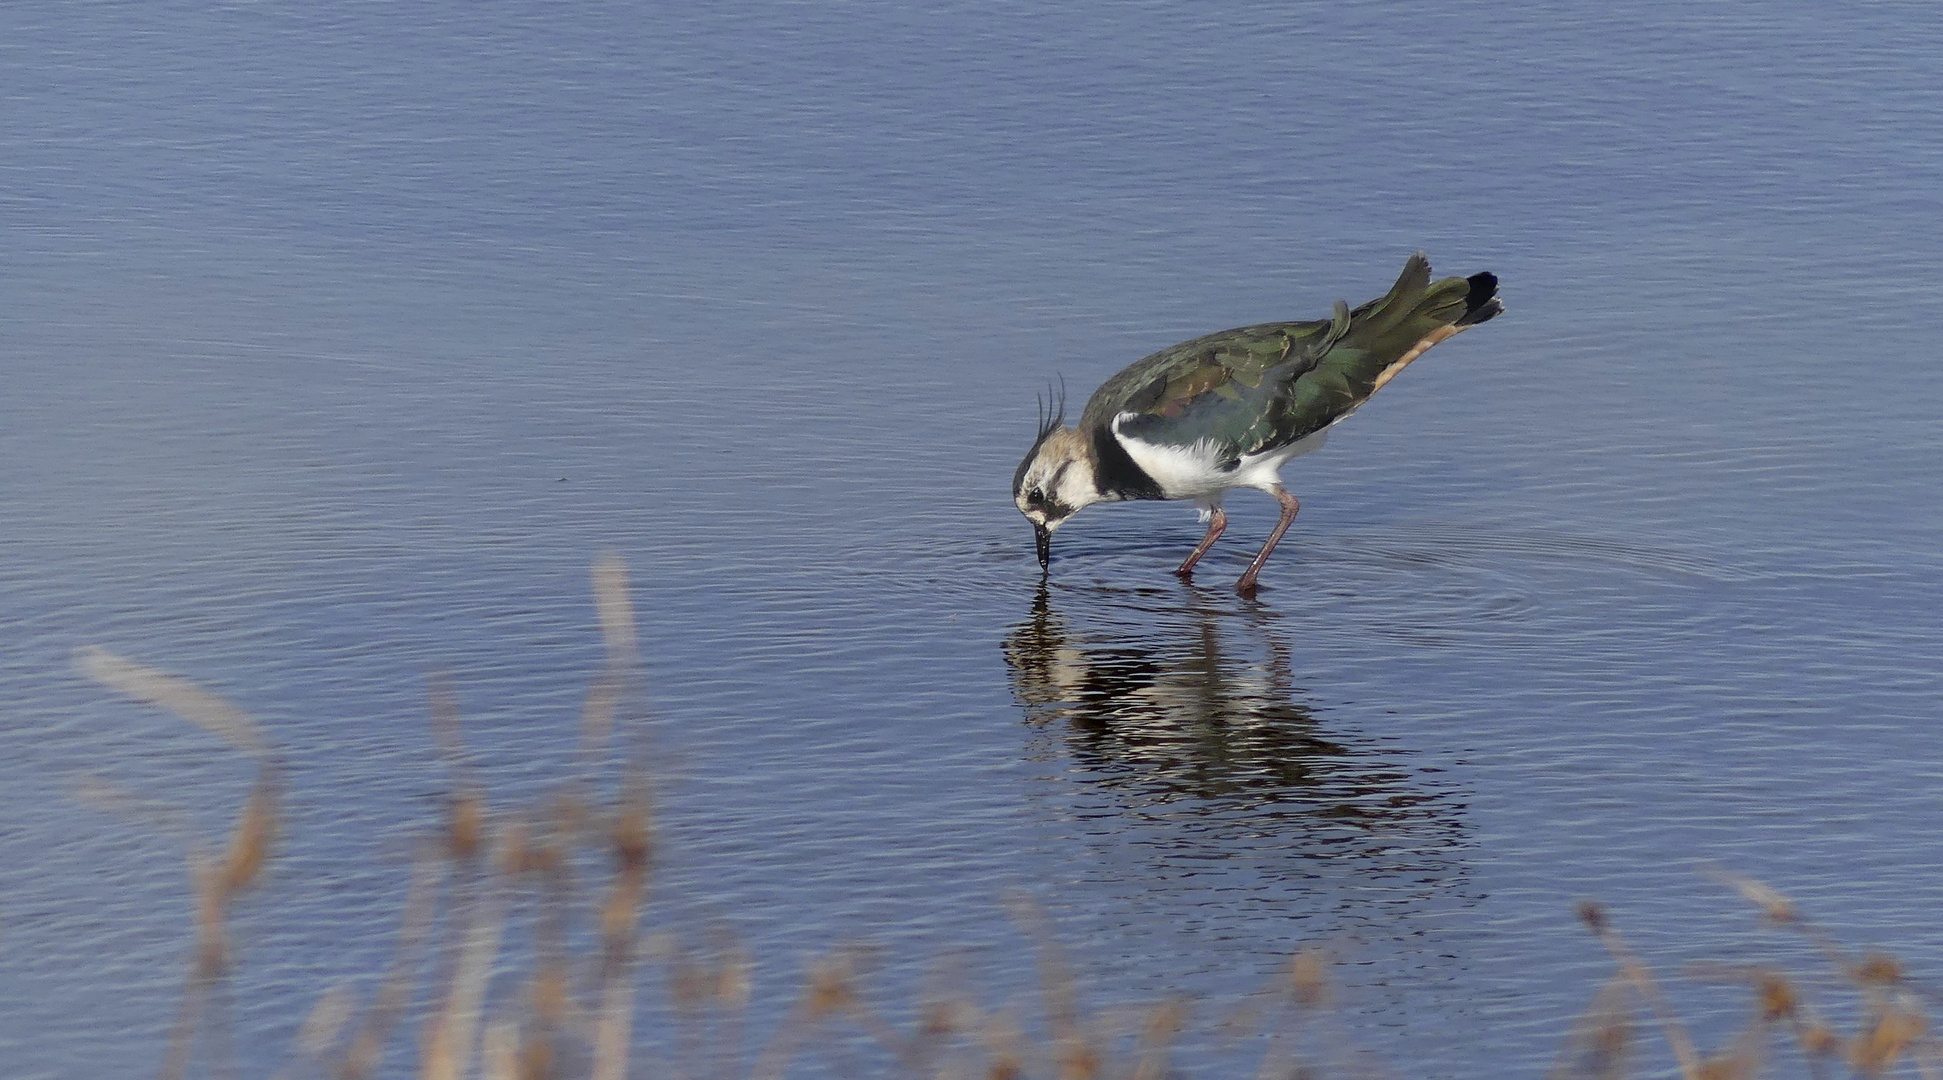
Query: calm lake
[336, 340]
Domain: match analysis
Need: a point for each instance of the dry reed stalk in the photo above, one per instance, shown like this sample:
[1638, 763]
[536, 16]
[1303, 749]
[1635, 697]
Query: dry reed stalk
[250, 840]
[1782, 911]
[1301, 991]
[551, 1009]
[367, 1047]
[550, 1012]
[182, 1034]
[214, 882]
[499, 1051]
[683, 977]
[1601, 1037]
[1308, 981]
[613, 1029]
[709, 994]
[174, 693]
[466, 814]
[1743, 1057]
[1894, 1026]
[321, 1027]
[597, 714]
[1076, 1053]
[1160, 1028]
[828, 990]
[615, 610]
[1005, 1046]
[210, 883]
[1891, 1030]
[631, 841]
[448, 1044]
[1636, 972]
[943, 1015]
[1777, 1001]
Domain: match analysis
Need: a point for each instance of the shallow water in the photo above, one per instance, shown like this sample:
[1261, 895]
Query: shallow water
[337, 343]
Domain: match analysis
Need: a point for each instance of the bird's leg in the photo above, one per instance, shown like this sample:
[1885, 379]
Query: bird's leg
[1289, 506]
[1217, 521]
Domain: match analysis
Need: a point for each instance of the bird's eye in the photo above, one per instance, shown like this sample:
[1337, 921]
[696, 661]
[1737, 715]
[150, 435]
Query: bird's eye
[1036, 497]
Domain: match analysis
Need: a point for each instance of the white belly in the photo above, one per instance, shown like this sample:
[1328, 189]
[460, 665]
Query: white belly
[1195, 472]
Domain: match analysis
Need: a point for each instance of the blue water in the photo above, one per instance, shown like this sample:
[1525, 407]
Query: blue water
[337, 339]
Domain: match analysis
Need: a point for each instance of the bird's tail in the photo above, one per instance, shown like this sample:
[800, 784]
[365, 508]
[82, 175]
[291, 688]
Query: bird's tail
[1481, 303]
[1365, 348]
[1416, 306]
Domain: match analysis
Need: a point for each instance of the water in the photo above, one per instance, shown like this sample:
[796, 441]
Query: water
[338, 340]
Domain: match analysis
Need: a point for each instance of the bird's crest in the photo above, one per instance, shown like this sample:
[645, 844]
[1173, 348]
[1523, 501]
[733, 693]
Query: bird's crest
[1052, 410]
[1052, 416]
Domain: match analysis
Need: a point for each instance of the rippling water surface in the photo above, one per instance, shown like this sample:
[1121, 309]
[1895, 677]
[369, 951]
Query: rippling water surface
[338, 339]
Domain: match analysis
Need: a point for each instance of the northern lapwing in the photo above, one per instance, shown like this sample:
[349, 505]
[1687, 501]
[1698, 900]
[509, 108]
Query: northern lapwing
[1228, 410]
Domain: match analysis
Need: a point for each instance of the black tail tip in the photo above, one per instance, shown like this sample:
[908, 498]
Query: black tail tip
[1482, 303]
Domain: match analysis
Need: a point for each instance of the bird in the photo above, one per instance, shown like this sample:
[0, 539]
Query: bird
[1228, 410]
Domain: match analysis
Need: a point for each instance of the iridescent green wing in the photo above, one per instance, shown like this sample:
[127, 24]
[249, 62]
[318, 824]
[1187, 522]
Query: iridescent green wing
[1261, 387]
[1224, 388]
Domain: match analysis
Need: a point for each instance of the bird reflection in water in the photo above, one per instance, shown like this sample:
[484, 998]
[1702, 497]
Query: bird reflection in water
[1186, 715]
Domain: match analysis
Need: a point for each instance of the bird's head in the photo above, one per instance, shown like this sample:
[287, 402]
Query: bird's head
[1055, 480]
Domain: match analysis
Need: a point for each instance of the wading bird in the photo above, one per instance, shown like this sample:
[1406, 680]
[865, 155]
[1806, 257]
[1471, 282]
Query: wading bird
[1227, 410]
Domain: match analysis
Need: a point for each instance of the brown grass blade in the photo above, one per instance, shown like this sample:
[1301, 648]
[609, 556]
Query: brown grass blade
[449, 1041]
[327, 1018]
[174, 693]
[367, 1048]
[182, 1035]
[614, 608]
[1074, 1049]
[1601, 1037]
[1774, 906]
[250, 841]
[1161, 1026]
[500, 1051]
[1636, 972]
[613, 1029]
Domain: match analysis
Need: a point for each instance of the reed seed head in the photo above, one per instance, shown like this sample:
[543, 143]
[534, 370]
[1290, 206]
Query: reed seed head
[1592, 915]
[1309, 978]
[1820, 1040]
[465, 829]
[830, 988]
[1877, 1049]
[1776, 996]
[633, 837]
[1878, 969]
[1739, 1065]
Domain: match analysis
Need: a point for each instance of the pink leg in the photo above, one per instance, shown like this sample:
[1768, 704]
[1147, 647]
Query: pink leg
[1289, 507]
[1217, 521]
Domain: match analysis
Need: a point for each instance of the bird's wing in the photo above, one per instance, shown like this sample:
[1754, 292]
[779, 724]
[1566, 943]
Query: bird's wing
[1221, 388]
[1260, 387]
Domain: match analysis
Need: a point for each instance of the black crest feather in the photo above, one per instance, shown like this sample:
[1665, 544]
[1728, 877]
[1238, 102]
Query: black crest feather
[1052, 415]
[1052, 410]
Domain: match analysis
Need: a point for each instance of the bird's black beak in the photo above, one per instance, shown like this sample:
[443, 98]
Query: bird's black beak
[1042, 539]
